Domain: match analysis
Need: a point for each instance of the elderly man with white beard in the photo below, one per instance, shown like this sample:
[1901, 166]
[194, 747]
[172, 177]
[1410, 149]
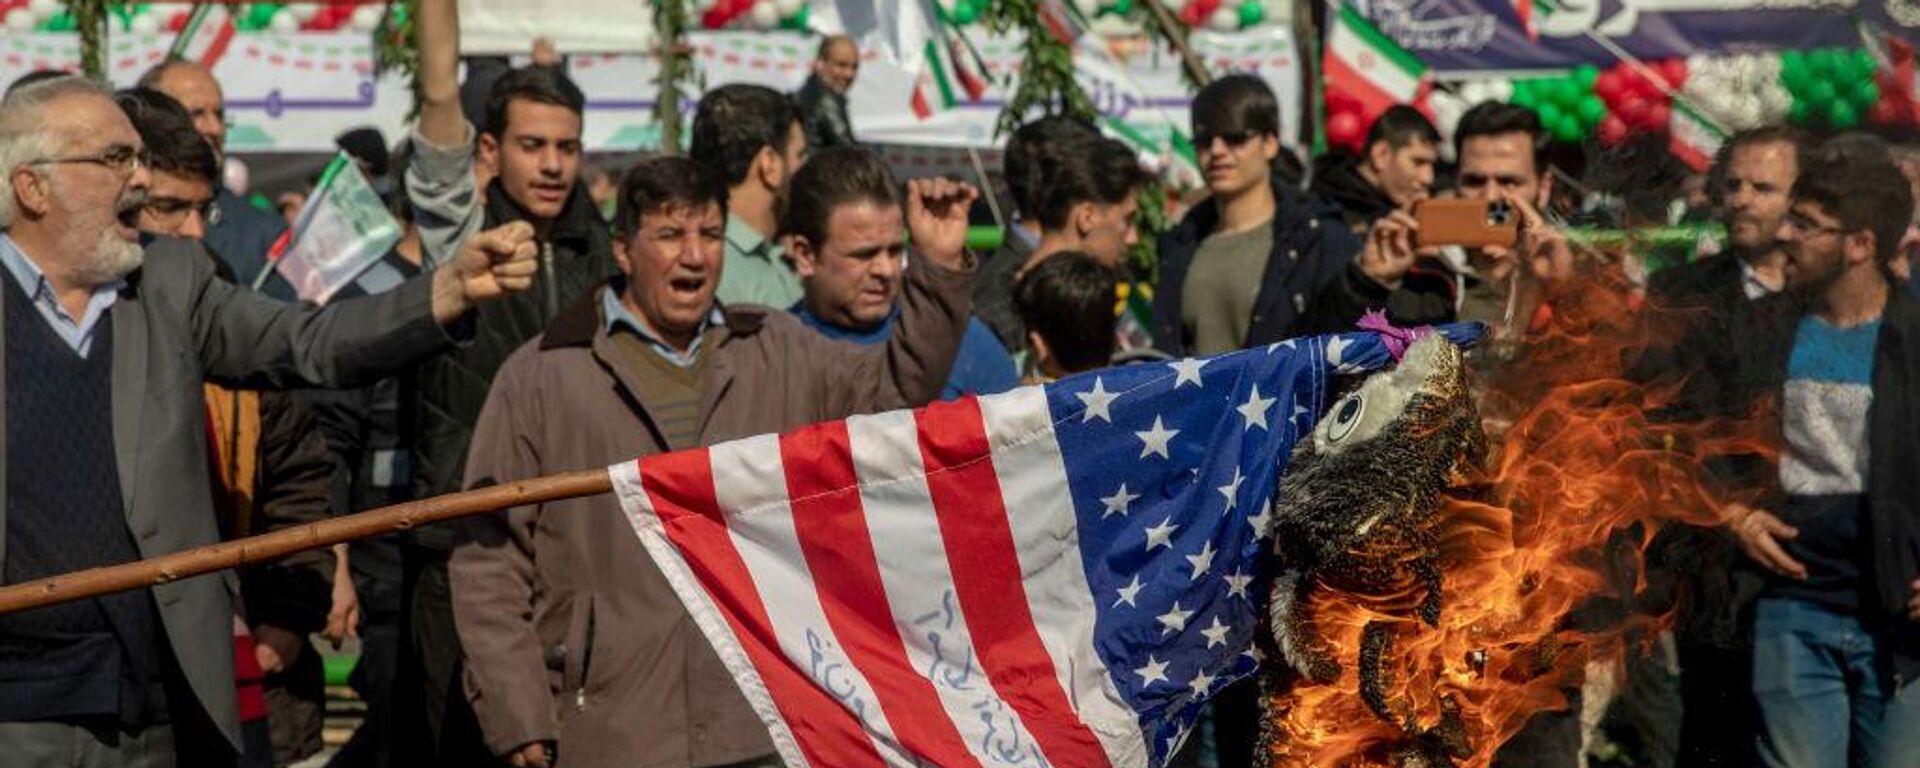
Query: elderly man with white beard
[103, 428]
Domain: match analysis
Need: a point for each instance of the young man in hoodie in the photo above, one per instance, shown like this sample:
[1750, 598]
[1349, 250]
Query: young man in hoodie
[1393, 171]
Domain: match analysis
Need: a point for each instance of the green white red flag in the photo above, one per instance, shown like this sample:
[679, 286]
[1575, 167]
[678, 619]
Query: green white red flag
[1366, 65]
[205, 36]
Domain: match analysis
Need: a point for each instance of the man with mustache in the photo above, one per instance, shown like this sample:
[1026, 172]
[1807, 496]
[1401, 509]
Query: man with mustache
[576, 642]
[107, 345]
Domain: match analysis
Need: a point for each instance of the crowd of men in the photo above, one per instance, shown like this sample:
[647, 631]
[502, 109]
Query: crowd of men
[164, 391]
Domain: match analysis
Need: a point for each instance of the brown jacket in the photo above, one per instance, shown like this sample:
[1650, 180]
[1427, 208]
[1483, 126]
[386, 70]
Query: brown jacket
[571, 633]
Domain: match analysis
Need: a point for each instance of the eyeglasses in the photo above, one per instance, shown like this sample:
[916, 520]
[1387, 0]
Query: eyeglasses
[1806, 226]
[172, 209]
[118, 157]
[1234, 140]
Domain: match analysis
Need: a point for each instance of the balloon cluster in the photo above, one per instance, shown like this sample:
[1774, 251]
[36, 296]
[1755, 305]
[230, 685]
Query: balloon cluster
[1833, 87]
[1737, 92]
[1347, 122]
[1638, 97]
[150, 18]
[1219, 15]
[1897, 104]
[961, 11]
[752, 14]
[1568, 108]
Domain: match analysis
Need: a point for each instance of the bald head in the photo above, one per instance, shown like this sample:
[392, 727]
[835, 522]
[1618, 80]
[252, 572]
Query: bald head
[837, 63]
[194, 87]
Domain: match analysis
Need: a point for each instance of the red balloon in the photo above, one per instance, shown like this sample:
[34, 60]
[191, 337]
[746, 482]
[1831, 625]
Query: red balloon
[1608, 86]
[1344, 129]
[178, 21]
[1192, 15]
[1675, 72]
[1613, 130]
[1658, 113]
[715, 18]
[1632, 110]
[1884, 112]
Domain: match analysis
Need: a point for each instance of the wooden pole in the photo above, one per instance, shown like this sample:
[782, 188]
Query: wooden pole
[94, 582]
[1177, 36]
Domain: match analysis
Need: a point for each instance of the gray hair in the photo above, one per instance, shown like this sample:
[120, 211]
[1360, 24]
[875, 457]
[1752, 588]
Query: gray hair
[24, 137]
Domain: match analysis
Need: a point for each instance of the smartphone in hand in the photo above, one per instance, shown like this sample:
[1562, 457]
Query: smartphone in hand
[1466, 222]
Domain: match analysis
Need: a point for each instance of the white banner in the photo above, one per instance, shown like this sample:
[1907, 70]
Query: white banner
[295, 92]
[286, 92]
[509, 26]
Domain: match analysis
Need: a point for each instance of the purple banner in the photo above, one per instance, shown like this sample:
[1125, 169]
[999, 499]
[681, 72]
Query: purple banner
[1463, 36]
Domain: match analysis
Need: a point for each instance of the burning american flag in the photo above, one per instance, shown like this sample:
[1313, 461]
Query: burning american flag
[1058, 575]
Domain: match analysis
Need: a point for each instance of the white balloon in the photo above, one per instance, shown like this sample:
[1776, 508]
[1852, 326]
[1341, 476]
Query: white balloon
[705, 5]
[764, 15]
[365, 18]
[21, 20]
[787, 8]
[1175, 6]
[303, 12]
[283, 22]
[1087, 8]
[44, 9]
[1224, 19]
[144, 24]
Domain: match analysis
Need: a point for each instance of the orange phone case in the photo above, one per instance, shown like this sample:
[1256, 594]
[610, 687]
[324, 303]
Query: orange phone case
[1454, 221]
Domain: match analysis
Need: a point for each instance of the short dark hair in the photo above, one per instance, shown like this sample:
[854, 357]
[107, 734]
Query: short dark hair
[835, 176]
[1068, 299]
[735, 122]
[1102, 171]
[1792, 136]
[1401, 125]
[1860, 187]
[1032, 153]
[1235, 104]
[542, 85]
[173, 146]
[1494, 118]
[662, 183]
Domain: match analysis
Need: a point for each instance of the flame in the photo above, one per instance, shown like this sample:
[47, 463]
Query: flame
[1582, 473]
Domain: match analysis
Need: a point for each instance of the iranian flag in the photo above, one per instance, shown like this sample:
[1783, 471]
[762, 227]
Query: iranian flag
[953, 69]
[1363, 63]
[204, 38]
[1692, 138]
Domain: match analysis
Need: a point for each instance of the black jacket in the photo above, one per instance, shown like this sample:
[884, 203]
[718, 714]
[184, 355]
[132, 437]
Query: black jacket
[1337, 178]
[1311, 246]
[1892, 528]
[824, 115]
[444, 394]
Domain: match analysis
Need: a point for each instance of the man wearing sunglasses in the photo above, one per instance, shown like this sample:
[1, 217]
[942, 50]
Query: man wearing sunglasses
[1247, 261]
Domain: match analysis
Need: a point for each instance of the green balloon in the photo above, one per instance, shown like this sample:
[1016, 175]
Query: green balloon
[1252, 13]
[1820, 92]
[1865, 93]
[798, 21]
[1550, 113]
[1592, 110]
[965, 13]
[1124, 7]
[1842, 115]
[1587, 75]
[1821, 62]
[1522, 96]
[1800, 112]
[1567, 129]
[1864, 65]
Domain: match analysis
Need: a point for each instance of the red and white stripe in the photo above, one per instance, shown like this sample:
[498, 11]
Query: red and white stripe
[869, 590]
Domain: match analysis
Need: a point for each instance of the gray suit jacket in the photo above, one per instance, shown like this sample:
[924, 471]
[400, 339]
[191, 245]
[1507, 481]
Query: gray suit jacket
[175, 326]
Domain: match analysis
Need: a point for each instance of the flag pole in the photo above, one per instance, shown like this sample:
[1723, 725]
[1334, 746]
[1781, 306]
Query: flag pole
[164, 569]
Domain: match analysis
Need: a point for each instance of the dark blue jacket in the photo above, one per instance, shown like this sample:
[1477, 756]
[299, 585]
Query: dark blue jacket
[980, 368]
[1312, 245]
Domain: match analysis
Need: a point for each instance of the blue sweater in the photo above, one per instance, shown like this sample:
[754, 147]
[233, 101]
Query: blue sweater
[981, 368]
